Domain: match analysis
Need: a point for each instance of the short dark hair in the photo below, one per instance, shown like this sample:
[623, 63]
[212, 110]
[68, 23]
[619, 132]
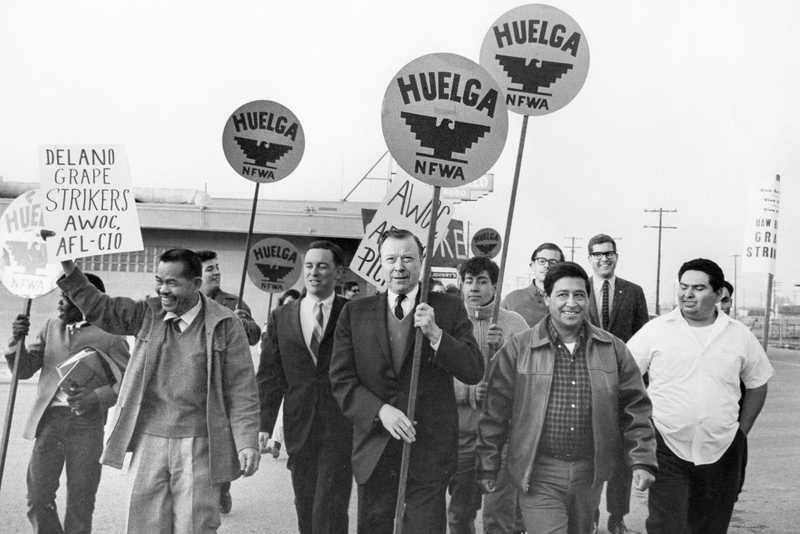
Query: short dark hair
[350, 285]
[399, 233]
[715, 275]
[476, 265]
[293, 293]
[192, 266]
[336, 250]
[565, 269]
[547, 246]
[727, 285]
[96, 282]
[206, 255]
[599, 239]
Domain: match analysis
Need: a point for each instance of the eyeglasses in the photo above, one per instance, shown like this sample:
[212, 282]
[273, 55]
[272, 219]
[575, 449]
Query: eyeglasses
[606, 255]
[541, 262]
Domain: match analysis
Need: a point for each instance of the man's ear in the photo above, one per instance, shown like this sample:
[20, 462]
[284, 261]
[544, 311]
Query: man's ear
[197, 281]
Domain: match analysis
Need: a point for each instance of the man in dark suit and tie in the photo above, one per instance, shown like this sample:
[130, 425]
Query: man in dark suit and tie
[370, 376]
[295, 356]
[619, 307]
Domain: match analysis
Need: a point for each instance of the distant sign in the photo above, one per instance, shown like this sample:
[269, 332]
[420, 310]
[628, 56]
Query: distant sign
[444, 120]
[263, 141]
[486, 243]
[88, 201]
[407, 205]
[24, 266]
[274, 265]
[761, 234]
[539, 56]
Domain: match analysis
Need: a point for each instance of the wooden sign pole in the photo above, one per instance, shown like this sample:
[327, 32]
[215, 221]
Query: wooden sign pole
[247, 246]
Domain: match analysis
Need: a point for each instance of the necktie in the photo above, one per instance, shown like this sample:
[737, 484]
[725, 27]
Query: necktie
[316, 335]
[604, 311]
[175, 323]
[398, 307]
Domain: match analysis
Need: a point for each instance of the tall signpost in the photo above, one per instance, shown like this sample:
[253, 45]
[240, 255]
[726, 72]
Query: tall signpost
[27, 273]
[445, 124]
[540, 57]
[760, 248]
[264, 142]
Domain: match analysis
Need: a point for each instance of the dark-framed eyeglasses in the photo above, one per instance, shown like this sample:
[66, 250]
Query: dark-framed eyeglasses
[607, 255]
[541, 262]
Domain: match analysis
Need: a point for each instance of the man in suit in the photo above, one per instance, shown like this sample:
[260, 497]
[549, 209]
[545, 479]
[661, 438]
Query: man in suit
[370, 375]
[619, 307]
[295, 357]
[67, 424]
[530, 301]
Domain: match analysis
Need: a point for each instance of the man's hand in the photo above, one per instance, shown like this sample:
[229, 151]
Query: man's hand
[494, 336]
[486, 485]
[397, 424]
[480, 391]
[81, 399]
[242, 315]
[20, 327]
[263, 442]
[68, 266]
[248, 461]
[642, 479]
[425, 319]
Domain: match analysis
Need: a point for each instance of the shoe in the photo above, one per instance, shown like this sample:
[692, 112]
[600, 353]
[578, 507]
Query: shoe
[617, 526]
[225, 502]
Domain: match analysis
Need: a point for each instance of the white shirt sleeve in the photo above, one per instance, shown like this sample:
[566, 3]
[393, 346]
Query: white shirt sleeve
[640, 347]
[756, 370]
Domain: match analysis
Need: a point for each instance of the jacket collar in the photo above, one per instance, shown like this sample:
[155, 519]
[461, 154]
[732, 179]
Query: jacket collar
[539, 336]
[214, 313]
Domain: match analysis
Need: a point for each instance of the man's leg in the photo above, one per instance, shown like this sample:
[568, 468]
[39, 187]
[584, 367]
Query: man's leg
[425, 507]
[303, 467]
[500, 508]
[84, 444]
[618, 494]
[334, 484]
[377, 497]
[715, 488]
[668, 500]
[150, 505]
[225, 500]
[44, 470]
[584, 496]
[195, 499]
[465, 501]
[545, 506]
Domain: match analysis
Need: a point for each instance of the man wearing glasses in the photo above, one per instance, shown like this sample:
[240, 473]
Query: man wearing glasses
[351, 290]
[619, 307]
[529, 302]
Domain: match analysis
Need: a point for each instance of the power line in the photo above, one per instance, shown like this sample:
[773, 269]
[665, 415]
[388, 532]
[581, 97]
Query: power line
[660, 227]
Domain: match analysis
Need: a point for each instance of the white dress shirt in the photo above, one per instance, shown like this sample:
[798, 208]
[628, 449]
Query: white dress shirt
[187, 317]
[597, 284]
[694, 381]
[407, 305]
[308, 317]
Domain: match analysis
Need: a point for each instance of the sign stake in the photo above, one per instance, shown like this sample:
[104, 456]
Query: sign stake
[247, 246]
[768, 310]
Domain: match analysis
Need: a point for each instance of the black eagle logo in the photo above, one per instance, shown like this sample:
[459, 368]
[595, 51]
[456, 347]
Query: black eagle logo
[262, 152]
[274, 273]
[448, 137]
[533, 75]
[485, 248]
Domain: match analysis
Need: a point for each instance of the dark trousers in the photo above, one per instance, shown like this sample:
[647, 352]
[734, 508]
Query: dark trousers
[618, 491]
[77, 442]
[694, 499]
[465, 501]
[425, 499]
[322, 478]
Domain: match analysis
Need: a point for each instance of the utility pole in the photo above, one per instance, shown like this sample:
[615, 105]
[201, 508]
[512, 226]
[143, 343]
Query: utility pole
[735, 282]
[661, 212]
[572, 246]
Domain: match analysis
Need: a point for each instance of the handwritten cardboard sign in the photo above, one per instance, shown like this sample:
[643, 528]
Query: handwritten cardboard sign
[761, 233]
[88, 202]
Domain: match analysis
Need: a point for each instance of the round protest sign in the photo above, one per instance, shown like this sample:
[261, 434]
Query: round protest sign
[539, 56]
[263, 141]
[274, 265]
[444, 120]
[486, 243]
[25, 269]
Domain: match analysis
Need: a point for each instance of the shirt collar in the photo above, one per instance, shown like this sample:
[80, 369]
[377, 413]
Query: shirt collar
[189, 315]
[598, 283]
[327, 302]
[77, 325]
[411, 296]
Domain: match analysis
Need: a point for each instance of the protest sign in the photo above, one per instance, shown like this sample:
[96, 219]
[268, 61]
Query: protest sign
[26, 271]
[761, 233]
[274, 265]
[486, 243]
[539, 56]
[88, 201]
[263, 141]
[407, 205]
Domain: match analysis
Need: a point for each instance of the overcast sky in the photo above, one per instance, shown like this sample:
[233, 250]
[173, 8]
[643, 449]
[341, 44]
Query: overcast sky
[685, 105]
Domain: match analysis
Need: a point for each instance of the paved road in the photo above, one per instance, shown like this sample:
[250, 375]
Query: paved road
[263, 503]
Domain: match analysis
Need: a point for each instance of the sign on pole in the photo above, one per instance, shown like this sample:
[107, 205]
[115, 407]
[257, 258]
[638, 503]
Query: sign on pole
[486, 243]
[761, 233]
[407, 205]
[263, 141]
[88, 201]
[539, 56]
[27, 271]
[274, 265]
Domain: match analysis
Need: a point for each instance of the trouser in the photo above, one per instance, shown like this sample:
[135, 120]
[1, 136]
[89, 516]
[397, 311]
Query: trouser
[170, 487]
[694, 499]
[425, 499]
[465, 501]
[562, 497]
[76, 441]
[501, 514]
[322, 478]
[618, 491]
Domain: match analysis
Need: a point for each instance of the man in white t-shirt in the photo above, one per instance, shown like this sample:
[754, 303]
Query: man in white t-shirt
[695, 357]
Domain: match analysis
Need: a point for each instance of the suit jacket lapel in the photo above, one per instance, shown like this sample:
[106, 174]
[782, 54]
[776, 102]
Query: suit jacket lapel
[412, 334]
[593, 318]
[296, 328]
[381, 330]
[619, 299]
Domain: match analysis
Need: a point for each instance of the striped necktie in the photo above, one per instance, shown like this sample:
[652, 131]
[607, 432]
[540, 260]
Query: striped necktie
[604, 311]
[316, 335]
[398, 307]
